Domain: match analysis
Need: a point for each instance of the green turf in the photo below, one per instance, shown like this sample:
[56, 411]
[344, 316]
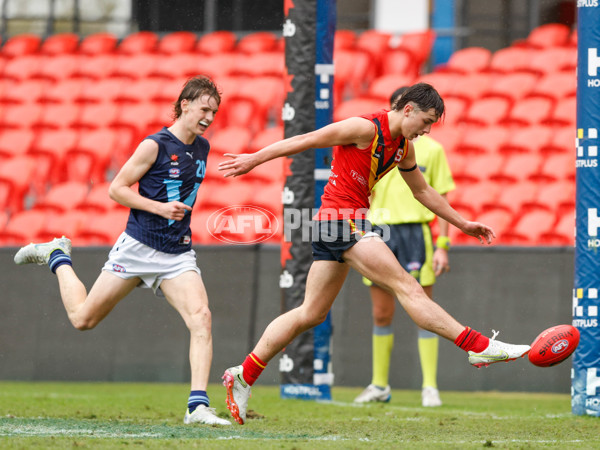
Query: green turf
[123, 415]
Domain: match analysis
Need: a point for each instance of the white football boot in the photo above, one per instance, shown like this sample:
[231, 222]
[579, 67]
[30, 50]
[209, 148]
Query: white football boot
[238, 393]
[497, 351]
[373, 393]
[40, 253]
[430, 397]
[204, 414]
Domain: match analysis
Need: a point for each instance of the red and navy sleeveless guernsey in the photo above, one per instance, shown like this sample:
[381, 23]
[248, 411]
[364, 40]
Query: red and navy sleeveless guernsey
[355, 171]
[176, 175]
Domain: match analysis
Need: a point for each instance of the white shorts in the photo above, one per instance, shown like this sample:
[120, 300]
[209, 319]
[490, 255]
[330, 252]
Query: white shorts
[130, 258]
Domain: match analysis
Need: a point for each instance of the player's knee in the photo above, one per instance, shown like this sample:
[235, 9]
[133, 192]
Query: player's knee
[200, 319]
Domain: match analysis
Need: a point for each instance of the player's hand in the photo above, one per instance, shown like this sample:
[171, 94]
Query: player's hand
[441, 263]
[174, 210]
[238, 164]
[482, 232]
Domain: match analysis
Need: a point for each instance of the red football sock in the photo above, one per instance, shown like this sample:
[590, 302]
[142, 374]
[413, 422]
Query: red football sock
[253, 367]
[471, 340]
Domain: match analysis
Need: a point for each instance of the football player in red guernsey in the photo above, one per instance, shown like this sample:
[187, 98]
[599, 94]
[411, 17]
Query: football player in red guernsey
[365, 149]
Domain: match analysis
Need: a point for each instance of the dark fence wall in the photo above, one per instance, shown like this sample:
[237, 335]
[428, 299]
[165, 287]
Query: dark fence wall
[515, 291]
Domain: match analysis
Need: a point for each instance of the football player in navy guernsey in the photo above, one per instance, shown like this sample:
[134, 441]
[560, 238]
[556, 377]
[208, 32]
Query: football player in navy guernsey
[155, 249]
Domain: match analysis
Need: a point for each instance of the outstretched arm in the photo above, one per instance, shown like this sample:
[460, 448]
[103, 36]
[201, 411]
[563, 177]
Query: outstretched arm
[432, 200]
[350, 131]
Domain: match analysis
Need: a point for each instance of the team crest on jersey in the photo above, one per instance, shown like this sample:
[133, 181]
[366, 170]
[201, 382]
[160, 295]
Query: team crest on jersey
[358, 177]
[174, 172]
[399, 155]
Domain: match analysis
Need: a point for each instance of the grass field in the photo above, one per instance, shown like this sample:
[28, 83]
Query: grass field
[122, 415]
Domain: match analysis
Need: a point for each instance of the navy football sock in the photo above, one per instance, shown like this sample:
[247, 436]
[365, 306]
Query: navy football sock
[57, 259]
[196, 399]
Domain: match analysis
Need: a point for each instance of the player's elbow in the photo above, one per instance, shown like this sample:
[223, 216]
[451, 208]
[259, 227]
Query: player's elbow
[83, 324]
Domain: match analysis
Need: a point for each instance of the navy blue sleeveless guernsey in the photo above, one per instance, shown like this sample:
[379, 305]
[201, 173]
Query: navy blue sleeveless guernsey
[175, 176]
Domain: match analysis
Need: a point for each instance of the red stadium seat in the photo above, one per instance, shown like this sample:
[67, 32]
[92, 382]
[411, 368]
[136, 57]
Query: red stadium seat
[218, 65]
[258, 41]
[102, 229]
[468, 60]
[553, 59]
[90, 158]
[136, 66]
[358, 106]
[23, 67]
[143, 89]
[23, 227]
[353, 72]
[559, 166]
[556, 86]
[562, 233]
[563, 141]
[471, 197]
[20, 45]
[216, 42]
[138, 42]
[516, 197]
[532, 139]
[231, 140]
[262, 139]
[344, 40]
[400, 62]
[442, 82]
[478, 168]
[518, 167]
[58, 115]
[26, 91]
[96, 67]
[67, 223]
[486, 111]
[17, 175]
[20, 116]
[477, 140]
[137, 117]
[530, 227]
[177, 42]
[470, 87]
[177, 66]
[15, 142]
[268, 195]
[260, 64]
[96, 115]
[512, 86]
[418, 43]
[59, 67]
[98, 44]
[62, 197]
[106, 90]
[60, 43]
[65, 91]
[511, 59]
[50, 149]
[98, 200]
[449, 136]
[558, 196]
[383, 87]
[548, 35]
[529, 111]
[267, 92]
[564, 113]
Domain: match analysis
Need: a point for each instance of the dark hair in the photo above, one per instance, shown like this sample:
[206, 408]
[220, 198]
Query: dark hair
[396, 94]
[194, 88]
[421, 94]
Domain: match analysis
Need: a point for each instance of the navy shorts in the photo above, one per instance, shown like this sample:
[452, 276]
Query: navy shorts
[331, 238]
